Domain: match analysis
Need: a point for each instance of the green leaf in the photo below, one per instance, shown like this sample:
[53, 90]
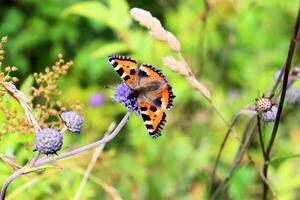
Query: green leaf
[119, 14]
[28, 169]
[90, 9]
[240, 182]
[105, 50]
[283, 158]
[116, 16]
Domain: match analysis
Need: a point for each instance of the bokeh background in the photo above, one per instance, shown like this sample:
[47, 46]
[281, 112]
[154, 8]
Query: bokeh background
[234, 48]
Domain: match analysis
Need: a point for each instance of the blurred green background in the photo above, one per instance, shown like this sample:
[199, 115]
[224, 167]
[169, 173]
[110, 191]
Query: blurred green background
[234, 47]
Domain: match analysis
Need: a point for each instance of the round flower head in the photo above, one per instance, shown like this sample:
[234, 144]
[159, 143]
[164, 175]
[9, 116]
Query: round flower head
[73, 121]
[48, 141]
[270, 115]
[125, 96]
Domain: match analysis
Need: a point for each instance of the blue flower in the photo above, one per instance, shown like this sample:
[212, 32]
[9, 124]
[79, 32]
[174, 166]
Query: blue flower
[293, 96]
[48, 141]
[125, 96]
[270, 115]
[73, 121]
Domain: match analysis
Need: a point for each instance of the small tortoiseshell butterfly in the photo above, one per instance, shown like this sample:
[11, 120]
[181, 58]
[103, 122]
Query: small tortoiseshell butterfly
[150, 88]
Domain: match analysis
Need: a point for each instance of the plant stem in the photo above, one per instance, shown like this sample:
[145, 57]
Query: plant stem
[287, 68]
[8, 181]
[87, 147]
[237, 160]
[32, 162]
[230, 129]
[261, 138]
[91, 165]
[42, 161]
[235, 119]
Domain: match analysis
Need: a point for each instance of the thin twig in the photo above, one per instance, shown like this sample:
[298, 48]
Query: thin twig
[246, 129]
[65, 155]
[20, 97]
[275, 85]
[29, 183]
[234, 121]
[236, 162]
[10, 161]
[240, 154]
[213, 174]
[241, 147]
[86, 147]
[287, 68]
[32, 162]
[91, 165]
[261, 137]
[264, 179]
[8, 181]
[113, 192]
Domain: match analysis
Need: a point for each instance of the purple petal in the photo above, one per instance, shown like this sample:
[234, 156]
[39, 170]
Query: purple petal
[123, 96]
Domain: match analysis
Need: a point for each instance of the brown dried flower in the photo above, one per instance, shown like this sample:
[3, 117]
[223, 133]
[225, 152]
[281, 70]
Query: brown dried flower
[44, 100]
[198, 86]
[46, 93]
[156, 30]
[176, 66]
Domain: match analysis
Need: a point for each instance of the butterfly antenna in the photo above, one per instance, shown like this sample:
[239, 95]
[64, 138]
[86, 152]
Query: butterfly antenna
[109, 87]
[258, 94]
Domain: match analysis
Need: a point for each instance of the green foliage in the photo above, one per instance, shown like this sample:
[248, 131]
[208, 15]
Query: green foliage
[233, 47]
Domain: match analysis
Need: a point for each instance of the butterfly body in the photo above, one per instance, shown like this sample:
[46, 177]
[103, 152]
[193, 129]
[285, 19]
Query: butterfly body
[151, 89]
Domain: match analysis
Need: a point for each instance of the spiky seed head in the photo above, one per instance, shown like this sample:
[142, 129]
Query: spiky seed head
[264, 104]
[73, 121]
[48, 141]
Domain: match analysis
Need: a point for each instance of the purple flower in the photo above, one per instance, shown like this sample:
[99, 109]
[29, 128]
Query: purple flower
[270, 115]
[73, 121]
[48, 141]
[96, 100]
[293, 96]
[124, 95]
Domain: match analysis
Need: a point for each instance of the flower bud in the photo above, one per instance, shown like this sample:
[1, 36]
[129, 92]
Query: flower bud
[73, 121]
[270, 115]
[48, 141]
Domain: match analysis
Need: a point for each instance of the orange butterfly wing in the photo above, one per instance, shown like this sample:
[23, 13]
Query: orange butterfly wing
[160, 95]
[154, 118]
[126, 67]
[164, 96]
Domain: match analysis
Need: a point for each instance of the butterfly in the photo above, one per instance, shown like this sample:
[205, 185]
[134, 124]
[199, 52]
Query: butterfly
[151, 89]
